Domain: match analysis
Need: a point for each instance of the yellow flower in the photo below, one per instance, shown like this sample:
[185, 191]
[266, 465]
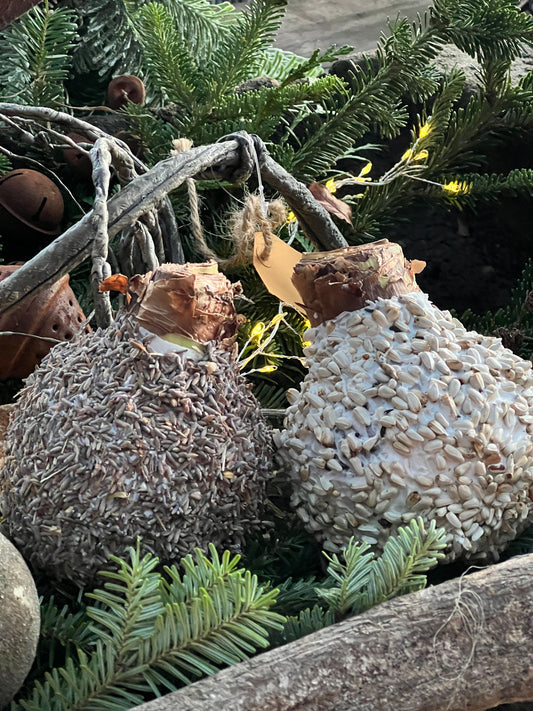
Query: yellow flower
[421, 155]
[425, 129]
[366, 169]
[408, 153]
[291, 217]
[455, 187]
[331, 186]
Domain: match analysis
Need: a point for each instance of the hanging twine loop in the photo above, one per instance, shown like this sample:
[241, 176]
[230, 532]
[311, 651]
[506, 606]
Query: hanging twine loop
[256, 216]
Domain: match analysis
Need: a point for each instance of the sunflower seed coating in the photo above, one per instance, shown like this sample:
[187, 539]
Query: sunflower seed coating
[440, 420]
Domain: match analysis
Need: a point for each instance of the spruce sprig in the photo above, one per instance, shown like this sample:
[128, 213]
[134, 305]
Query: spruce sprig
[36, 56]
[360, 580]
[152, 633]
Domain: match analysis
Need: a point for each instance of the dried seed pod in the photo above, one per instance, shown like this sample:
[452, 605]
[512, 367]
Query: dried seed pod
[130, 432]
[442, 441]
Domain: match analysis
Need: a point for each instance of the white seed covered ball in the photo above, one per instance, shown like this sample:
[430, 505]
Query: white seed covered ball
[404, 413]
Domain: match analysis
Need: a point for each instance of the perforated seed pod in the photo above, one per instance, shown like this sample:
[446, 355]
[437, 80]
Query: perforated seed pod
[404, 412]
[144, 430]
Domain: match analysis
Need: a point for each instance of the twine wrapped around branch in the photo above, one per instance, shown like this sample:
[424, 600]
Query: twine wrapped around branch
[243, 223]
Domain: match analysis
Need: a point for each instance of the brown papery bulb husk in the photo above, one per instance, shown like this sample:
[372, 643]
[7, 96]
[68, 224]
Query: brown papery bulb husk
[191, 300]
[346, 279]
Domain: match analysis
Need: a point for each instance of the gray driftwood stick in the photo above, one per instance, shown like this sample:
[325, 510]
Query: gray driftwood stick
[464, 644]
[144, 193]
[312, 217]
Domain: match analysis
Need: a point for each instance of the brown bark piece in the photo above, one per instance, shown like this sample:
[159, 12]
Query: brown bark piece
[463, 645]
[346, 279]
[11, 9]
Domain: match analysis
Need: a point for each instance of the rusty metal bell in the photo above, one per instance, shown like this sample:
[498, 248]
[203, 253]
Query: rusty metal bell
[31, 211]
[53, 313]
[123, 89]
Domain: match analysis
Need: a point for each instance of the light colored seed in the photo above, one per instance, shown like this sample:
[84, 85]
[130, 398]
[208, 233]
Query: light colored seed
[343, 423]
[426, 432]
[437, 428]
[440, 462]
[335, 465]
[427, 360]
[452, 518]
[424, 480]
[399, 403]
[433, 446]
[453, 453]
[414, 435]
[353, 441]
[386, 392]
[433, 391]
[356, 397]
[397, 479]
[356, 465]
[414, 307]
[413, 402]
[362, 415]
[315, 400]
[440, 418]
[369, 443]
[476, 532]
[454, 386]
[387, 421]
[401, 448]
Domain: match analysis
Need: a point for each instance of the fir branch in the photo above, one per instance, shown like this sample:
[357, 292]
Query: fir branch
[36, 55]
[239, 52]
[485, 29]
[172, 66]
[154, 634]
[305, 622]
[405, 559]
[360, 580]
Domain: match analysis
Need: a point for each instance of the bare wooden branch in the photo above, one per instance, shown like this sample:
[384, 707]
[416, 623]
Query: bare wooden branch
[125, 208]
[312, 217]
[464, 644]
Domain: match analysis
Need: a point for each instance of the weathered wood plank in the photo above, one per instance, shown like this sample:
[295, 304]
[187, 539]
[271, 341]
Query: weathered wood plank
[466, 644]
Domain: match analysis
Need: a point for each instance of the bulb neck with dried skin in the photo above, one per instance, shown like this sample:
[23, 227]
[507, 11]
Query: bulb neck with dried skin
[346, 279]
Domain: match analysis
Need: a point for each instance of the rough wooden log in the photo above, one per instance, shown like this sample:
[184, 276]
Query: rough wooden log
[11, 9]
[466, 644]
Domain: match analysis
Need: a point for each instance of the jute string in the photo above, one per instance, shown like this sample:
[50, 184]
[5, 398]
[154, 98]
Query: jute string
[243, 223]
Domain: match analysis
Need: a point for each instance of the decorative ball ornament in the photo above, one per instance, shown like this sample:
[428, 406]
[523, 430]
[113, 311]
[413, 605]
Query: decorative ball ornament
[124, 89]
[20, 621]
[404, 412]
[144, 430]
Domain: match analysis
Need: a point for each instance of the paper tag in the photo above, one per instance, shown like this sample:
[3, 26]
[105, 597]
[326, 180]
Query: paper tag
[276, 270]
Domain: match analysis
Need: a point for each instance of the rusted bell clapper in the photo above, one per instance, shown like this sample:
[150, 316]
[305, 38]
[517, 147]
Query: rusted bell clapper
[53, 313]
[31, 211]
[123, 89]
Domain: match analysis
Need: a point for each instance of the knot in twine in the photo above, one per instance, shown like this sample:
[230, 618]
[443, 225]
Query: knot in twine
[243, 223]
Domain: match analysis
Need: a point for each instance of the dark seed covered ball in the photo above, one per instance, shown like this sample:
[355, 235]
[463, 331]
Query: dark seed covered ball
[112, 441]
